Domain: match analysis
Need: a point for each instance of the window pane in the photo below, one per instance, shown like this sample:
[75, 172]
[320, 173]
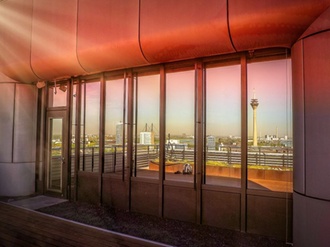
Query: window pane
[180, 143]
[90, 126]
[223, 126]
[147, 126]
[57, 95]
[269, 126]
[114, 126]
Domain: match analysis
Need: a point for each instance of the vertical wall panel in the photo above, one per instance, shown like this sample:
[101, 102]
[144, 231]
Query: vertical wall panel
[269, 216]
[15, 39]
[25, 123]
[317, 92]
[180, 203]
[53, 49]
[7, 91]
[108, 34]
[298, 117]
[221, 209]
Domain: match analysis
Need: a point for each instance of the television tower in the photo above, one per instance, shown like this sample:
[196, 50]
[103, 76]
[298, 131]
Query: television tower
[254, 103]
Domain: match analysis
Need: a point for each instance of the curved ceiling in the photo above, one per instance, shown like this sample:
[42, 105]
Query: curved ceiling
[46, 40]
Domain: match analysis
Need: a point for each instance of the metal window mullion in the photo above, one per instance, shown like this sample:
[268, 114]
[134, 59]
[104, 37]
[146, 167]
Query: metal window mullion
[101, 135]
[200, 139]
[162, 139]
[244, 142]
[124, 127]
[84, 128]
[135, 81]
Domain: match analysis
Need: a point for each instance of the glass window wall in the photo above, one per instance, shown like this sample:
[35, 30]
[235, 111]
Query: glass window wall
[146, 146]
[223, 126]
[115, 128]
[180, 126]
[90, 124]
[269, 126]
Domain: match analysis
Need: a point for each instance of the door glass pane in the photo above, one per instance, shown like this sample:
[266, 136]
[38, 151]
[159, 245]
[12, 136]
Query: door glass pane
[269, 126]
[55, 155]
[223, 126]
[114, 150]
[180, 113]
[147, 90]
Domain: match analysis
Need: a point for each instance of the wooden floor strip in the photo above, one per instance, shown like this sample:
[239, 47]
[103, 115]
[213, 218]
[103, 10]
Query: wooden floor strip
[24, 227]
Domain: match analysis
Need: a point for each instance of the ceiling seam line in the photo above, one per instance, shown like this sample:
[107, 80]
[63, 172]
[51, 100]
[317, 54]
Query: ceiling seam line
[139, 33]
[228, 27]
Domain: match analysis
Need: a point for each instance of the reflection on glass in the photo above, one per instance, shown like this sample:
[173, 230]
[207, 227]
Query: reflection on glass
[115, 133]
[146, 155]
[269, 126]
[55, 156]
[223, 126]
[90, 121]
[57, 95]
[180, 143]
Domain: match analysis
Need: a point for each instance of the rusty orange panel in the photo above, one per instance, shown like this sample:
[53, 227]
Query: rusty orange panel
[53, 49]
[264, 24]
[15, 40]
[108, 35]
[173, 30]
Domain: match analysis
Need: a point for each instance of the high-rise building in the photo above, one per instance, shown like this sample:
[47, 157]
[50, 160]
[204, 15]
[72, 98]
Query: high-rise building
[119, 133]
[254, 103]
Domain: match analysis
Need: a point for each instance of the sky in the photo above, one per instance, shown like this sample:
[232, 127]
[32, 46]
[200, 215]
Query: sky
[269, 82]
[272, 84]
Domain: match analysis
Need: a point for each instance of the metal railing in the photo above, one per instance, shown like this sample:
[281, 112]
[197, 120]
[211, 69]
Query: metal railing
[114, 157]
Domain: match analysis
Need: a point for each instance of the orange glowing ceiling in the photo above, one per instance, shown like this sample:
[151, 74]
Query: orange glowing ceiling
[44, 40]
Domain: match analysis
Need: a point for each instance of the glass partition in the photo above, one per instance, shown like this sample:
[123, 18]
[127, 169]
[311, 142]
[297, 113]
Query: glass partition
[115, 128]
[90, 122]
[270, 158]
[180, 133]
[146, 128]
[223, 126]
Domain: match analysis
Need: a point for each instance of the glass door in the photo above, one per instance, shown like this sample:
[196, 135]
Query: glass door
[56, 169]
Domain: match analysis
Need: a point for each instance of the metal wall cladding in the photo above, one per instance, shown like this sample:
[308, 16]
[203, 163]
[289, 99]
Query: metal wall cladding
[53, 48]
[108, 35]
[53, 39]
[15, 39]
[317, 114]
[265, 24]
[298, 115]
[172, 30]
[322, 23]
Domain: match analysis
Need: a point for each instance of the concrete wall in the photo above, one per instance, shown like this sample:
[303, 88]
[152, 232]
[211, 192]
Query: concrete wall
[18, 114]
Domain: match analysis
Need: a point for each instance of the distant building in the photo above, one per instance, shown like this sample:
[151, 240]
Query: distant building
[119, 133]
[210, 142]
[147, 138]
[271, 138]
